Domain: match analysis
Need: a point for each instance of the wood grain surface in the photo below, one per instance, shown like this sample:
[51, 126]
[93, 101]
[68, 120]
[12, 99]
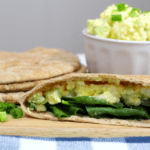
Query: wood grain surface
[27, 126]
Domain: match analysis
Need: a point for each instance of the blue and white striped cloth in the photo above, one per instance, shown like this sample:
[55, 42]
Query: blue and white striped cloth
[35, 143]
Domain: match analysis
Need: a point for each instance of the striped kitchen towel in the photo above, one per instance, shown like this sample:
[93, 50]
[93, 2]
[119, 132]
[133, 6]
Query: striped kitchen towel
[36, 143]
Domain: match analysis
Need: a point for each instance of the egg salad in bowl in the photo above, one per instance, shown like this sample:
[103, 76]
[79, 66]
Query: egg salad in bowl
[121, 22]
[118, 42]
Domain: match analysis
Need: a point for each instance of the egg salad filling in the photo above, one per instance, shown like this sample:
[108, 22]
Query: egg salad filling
[93, 99]
[121, 22]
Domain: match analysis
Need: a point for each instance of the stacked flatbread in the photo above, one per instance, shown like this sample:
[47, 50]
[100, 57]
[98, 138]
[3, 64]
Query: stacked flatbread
[20, 72]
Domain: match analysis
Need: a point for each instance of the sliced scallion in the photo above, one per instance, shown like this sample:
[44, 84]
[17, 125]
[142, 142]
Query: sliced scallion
[2, 106]
[3, 116]
[116, 17]
[121, 6]
[16, 113]
[145, 12]
[135, 12]
[10, 106]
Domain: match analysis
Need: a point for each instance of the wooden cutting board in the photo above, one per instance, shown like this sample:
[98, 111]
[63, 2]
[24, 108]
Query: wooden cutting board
[28, 126]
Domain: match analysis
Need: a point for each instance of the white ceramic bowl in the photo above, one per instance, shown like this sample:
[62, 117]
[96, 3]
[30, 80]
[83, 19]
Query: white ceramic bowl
[116, 56]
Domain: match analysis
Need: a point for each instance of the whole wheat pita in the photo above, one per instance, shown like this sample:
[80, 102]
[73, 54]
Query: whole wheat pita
[99, 78]
[25, 86]
[37, 64]
[11, 97]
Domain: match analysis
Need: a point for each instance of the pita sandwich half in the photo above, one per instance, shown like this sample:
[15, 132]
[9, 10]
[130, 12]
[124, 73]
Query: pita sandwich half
[94, 98]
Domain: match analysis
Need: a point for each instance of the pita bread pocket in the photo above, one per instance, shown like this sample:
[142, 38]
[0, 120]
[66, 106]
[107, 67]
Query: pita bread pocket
[94, 98]
[36, 64]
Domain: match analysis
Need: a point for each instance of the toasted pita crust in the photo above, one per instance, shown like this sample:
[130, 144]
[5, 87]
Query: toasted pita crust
[26, 86]
[37, 64]
[142, 80]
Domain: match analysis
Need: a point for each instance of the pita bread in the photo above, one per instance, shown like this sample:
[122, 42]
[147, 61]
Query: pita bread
[11, 97]
[125, 79]
[26, 86]
[14, 97]
[36, 64]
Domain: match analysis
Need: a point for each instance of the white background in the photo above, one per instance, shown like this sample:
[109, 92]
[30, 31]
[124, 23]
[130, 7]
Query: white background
[25, 24]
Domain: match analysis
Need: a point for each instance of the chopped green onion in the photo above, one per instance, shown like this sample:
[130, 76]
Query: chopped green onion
[10, 106]
[16, 113]
[121, 6]
[3, 116]
[145, 12]
[135, 12]
[31, 105]
[2, 106]
[116, 17]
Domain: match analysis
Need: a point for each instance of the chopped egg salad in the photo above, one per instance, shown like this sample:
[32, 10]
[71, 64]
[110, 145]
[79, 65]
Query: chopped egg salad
[121, 22]
[111, 93]
[93, 98]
